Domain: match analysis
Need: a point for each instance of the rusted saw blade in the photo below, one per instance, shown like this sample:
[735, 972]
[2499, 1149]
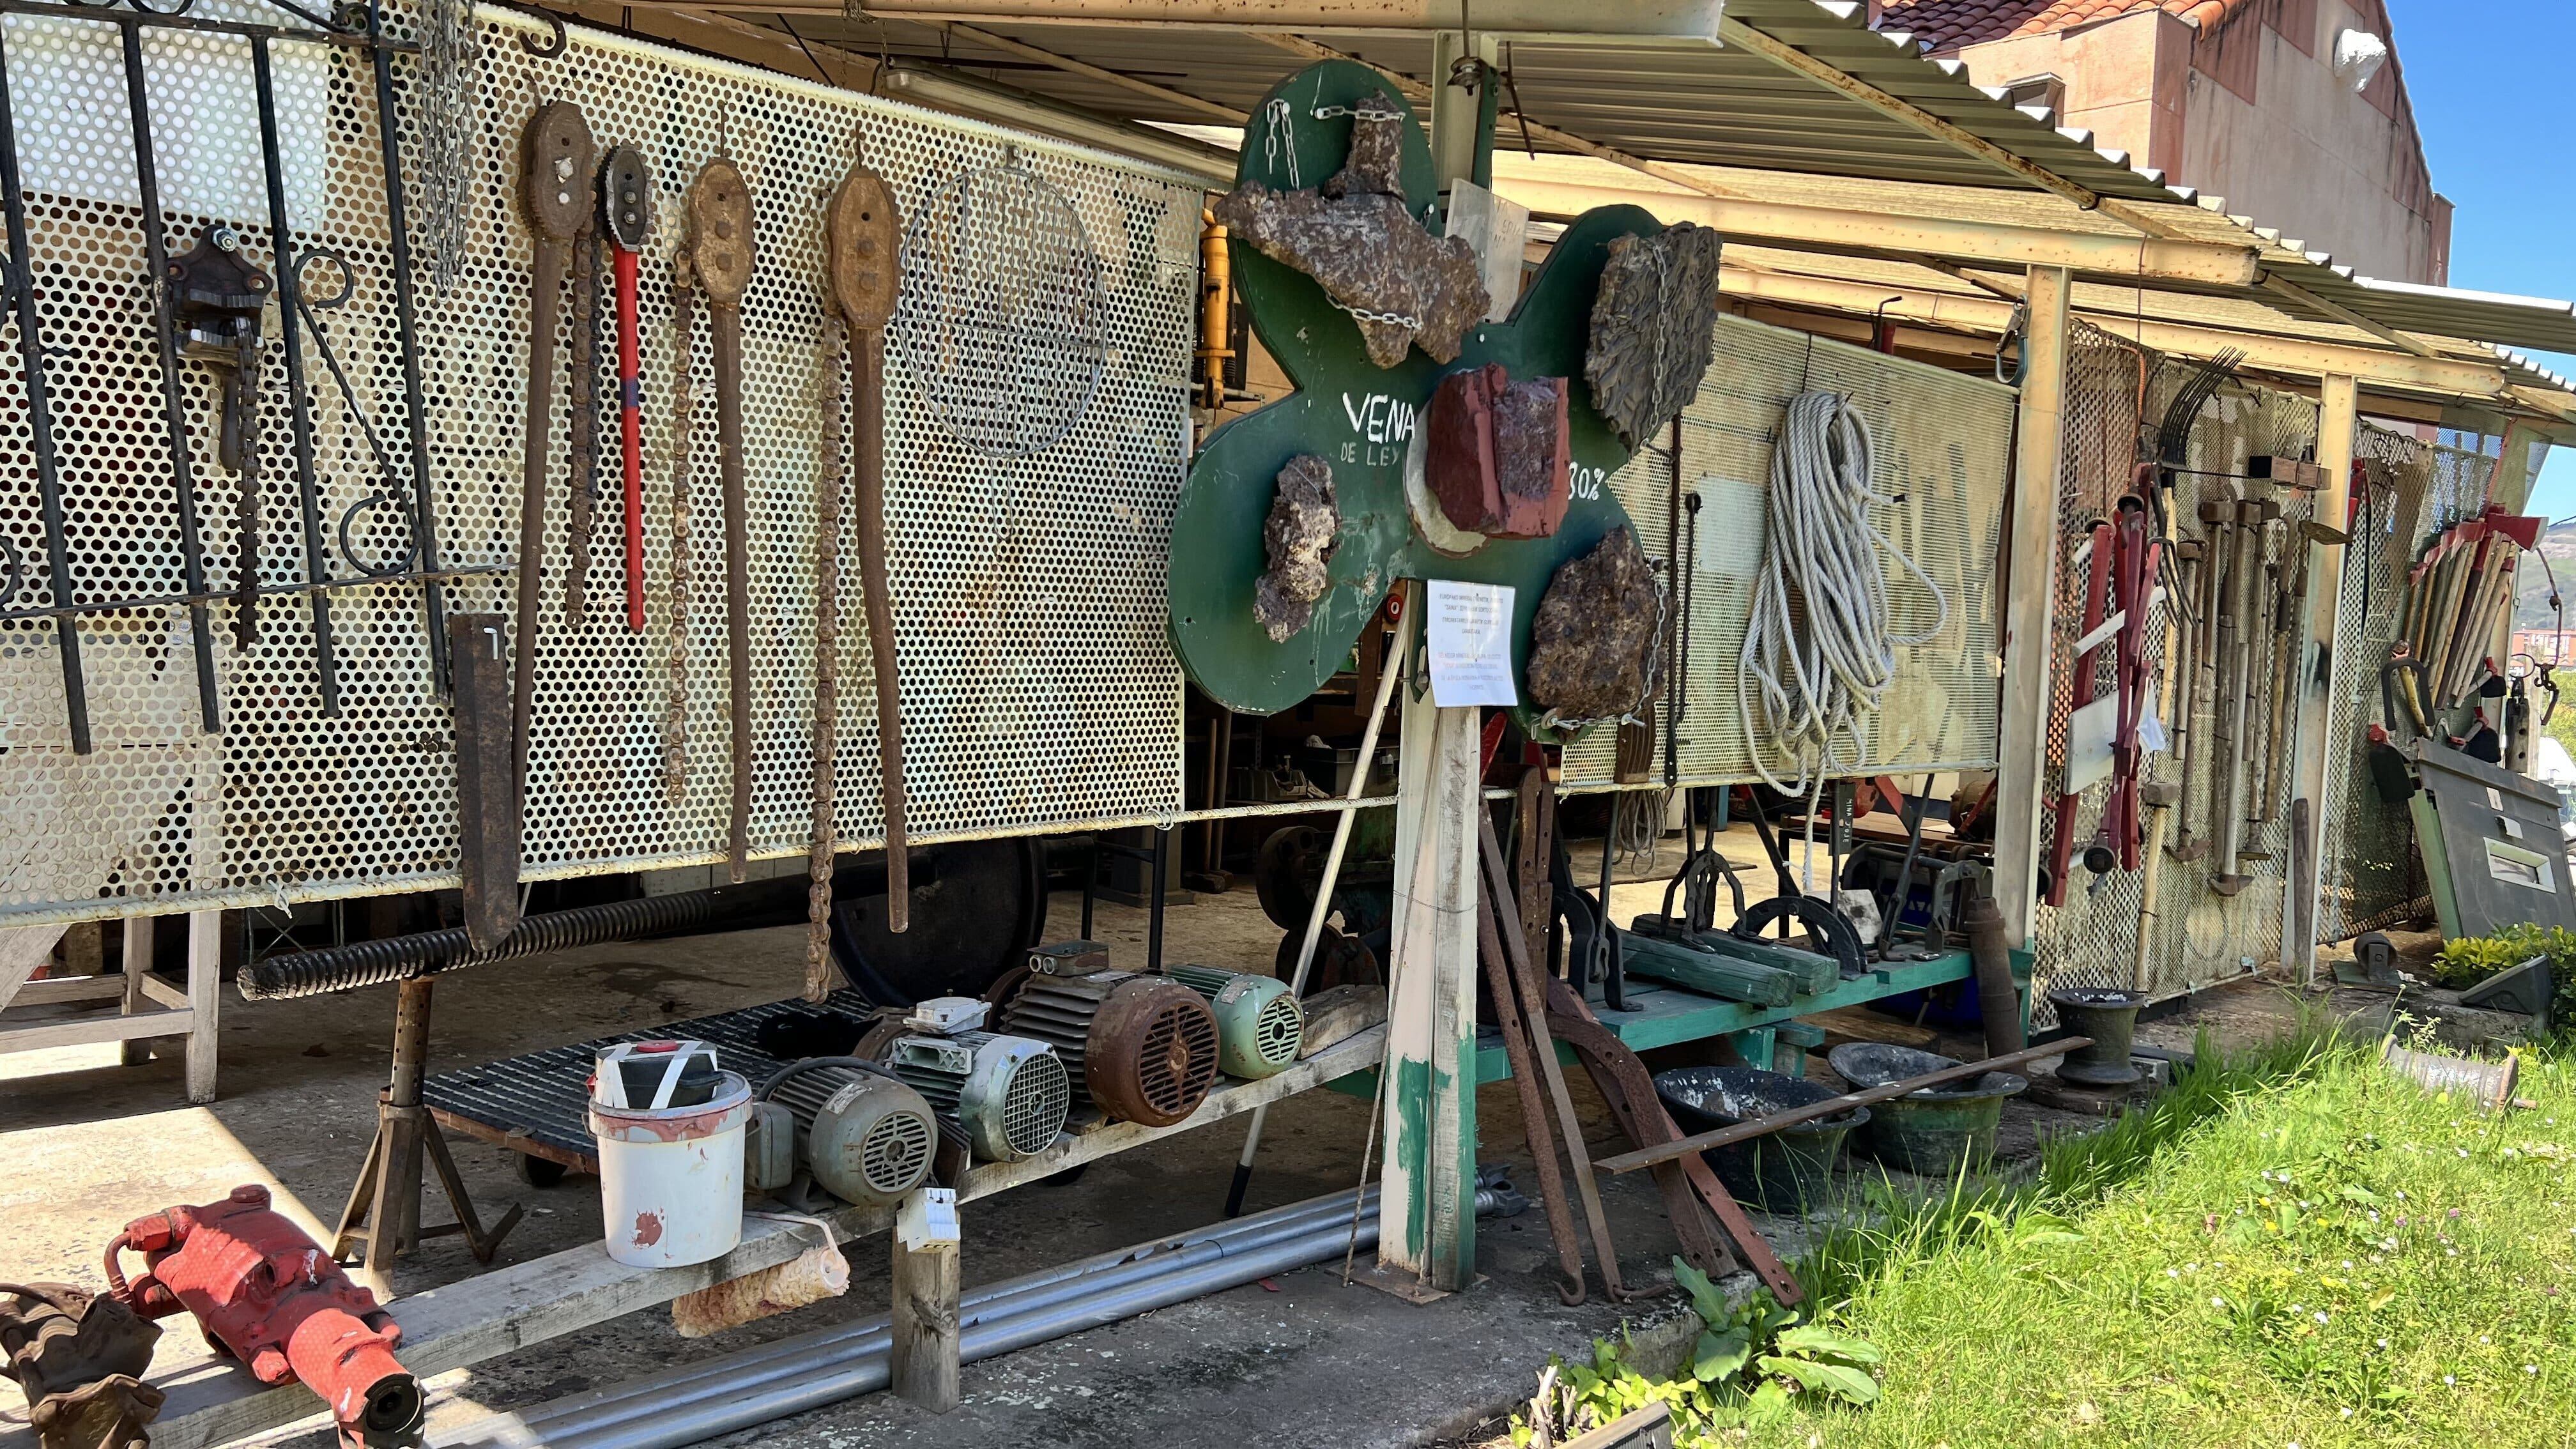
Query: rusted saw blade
[487, 795]
[863, 233]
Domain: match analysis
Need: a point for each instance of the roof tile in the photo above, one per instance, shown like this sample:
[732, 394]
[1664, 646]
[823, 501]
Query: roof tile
[1949, 24]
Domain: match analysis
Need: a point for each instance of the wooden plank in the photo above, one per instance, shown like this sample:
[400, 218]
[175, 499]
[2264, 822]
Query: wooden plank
[22, 950]
[55, 990]
[509, 1308]
[138, 982]
[1648, 1428]
[156, 989]
[205, 1000]
[86, 1030]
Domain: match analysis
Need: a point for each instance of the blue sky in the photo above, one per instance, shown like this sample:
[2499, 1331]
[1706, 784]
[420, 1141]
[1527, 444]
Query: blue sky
[2490, 80]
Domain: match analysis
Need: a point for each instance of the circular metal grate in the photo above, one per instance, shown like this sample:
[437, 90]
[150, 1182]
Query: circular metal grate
[1176, 1064]
[1278, 1031]
[1002, 310]
[1033, 1106]
[895, 1155]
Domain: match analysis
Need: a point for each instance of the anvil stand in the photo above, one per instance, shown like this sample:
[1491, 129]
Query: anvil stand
[383, 1212]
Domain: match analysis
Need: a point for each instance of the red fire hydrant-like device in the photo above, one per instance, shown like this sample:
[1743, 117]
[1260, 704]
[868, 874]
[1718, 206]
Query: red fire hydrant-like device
[269, 1296]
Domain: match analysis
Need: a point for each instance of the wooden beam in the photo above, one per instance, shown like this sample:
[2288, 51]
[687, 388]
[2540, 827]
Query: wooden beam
[88, 1030]
[1102, 74]
[205, 1000]
[23, 949]
[922, 1357]
[2337, 425]
[1626, 22]
[54, 991]
[2129, 260]
[2030, 607]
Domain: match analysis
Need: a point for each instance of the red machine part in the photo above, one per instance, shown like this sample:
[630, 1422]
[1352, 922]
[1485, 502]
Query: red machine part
[269, 1296]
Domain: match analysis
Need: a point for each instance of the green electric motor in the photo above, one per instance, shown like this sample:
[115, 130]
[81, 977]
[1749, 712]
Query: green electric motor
[1259, 1025]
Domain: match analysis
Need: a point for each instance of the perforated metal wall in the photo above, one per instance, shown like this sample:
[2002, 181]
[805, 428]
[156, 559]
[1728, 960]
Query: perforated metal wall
[1944, 442]
[1038, 689]
[2372, 879]
[2194, 933]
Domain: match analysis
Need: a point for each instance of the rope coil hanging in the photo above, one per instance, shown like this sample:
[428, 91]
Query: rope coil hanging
[1820, 648]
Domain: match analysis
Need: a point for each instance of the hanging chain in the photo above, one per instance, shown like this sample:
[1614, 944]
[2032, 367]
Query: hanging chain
[449, 133]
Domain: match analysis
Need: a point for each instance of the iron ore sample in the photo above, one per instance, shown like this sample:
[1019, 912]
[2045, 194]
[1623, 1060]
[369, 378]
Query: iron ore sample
[1360, 242]
[1299, 535]
[1499, 457]
[1592, 645]
[1652, 327]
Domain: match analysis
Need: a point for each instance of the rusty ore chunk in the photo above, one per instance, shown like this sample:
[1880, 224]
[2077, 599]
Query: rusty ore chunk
[1299, 535]
[1497, 452]
[1652, 327]
[1371, 256]
[1593, 640]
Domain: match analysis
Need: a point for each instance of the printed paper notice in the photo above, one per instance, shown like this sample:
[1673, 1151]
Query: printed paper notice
[1469, 628]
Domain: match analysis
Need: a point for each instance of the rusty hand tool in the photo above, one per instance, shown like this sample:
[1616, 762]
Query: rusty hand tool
[820, 847]
[582, 500]
[626, 208]
[2061, 848]
[487, 796]
[1542, 1140]
[1624, 1083]
[1653, 1127]
[553, 189]
[684, 406]
[1499, 905]
[866, 275]
[720, 249]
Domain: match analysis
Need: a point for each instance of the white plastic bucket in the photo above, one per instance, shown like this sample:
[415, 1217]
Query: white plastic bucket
[671, 1180]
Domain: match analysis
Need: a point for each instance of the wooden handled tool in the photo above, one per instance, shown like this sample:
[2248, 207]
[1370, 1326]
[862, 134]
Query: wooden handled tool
[626, 206]
[720, 250]
[864, 231]
[555, 189]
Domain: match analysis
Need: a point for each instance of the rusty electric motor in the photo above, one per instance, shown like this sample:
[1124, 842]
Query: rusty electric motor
[1140, 1048]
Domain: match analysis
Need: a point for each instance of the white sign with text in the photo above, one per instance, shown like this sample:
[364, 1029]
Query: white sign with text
[1469, 630]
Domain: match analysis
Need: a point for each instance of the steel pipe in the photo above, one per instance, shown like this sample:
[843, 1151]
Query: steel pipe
[811, 1370]
[790, 1358]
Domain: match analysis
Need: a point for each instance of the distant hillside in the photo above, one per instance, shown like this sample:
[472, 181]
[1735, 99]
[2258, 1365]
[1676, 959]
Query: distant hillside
[2531, 608]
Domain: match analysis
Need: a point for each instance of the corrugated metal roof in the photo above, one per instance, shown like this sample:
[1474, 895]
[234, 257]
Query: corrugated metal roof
[1714, 106]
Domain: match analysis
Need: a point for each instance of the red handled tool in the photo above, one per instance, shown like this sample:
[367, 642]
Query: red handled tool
[626, 203]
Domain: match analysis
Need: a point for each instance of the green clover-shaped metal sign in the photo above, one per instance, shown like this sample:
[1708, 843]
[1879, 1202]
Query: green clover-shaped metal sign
[1360, 419]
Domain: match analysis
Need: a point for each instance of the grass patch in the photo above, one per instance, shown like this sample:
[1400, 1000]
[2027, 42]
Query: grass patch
[2293, 1247]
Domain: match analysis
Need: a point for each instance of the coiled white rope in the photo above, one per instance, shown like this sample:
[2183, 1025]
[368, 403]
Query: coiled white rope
[1820, 648]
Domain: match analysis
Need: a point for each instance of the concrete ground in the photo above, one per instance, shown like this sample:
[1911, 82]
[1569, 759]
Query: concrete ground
[1301, 1360]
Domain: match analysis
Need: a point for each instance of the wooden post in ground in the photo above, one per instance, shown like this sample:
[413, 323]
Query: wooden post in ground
[927, 1288]
[2315, 686]
[2031, 544]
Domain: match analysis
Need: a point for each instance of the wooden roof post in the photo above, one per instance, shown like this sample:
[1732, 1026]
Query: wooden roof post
[2032, 546]
[2315, 684]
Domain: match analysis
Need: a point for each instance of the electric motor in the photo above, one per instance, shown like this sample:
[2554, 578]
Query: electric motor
[1141, 1048]
[1259, 1024]
[867, 1139]
[1009, 1093]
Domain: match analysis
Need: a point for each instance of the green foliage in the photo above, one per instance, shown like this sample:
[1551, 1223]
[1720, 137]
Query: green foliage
[2466, 962]
[1754, 1365]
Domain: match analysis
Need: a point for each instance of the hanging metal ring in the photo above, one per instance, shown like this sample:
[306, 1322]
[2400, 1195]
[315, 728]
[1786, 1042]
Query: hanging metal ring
[348, 280]
[349, 550]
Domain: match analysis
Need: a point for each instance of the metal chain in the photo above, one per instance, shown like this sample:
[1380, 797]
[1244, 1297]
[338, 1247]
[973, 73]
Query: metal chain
[450, 57]
[1278, 139]
[675, 711]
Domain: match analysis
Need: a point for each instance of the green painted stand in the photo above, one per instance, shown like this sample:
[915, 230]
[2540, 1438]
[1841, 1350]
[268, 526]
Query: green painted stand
[1360, 418]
